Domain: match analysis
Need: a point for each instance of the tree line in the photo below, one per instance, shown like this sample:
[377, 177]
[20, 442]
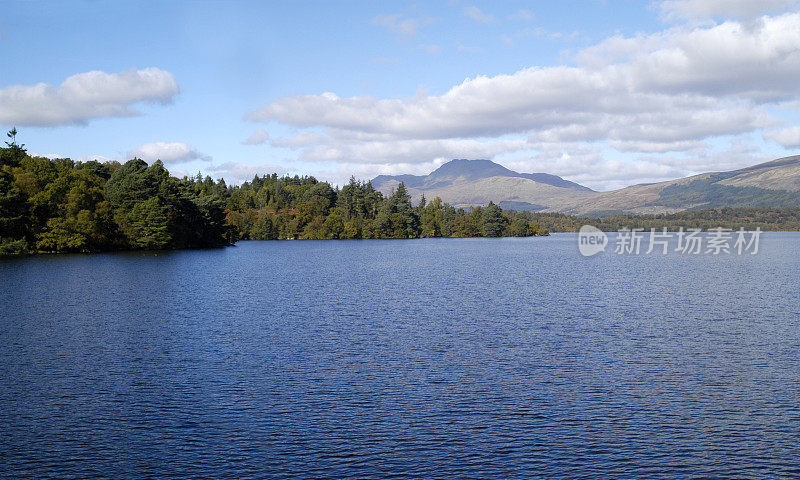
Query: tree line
[749, 218]
[272, 207]
[59, 205]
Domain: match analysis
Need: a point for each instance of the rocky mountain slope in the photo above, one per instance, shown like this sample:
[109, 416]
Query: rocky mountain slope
[466, 183]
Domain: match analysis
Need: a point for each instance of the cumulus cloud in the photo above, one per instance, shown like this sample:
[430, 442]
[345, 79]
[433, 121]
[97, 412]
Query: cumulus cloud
[302, 139]
[669, 91]
[658, 147]
[408, 151]
[169, 153]
[786, 137]
[258, 137]
[86, 96]
[706, 9]
[342, 173]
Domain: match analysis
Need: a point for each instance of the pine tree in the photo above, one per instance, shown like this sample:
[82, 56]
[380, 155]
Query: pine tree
[492, 221]
[13, 211]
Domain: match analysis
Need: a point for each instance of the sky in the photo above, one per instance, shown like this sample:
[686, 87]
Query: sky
[603, 93]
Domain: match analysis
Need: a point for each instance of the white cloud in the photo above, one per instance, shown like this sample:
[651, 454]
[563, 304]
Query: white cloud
[707, 9]
[408, 151]
[302, 139]
[169, 153]
[236, 173]
[85, 96]
[367, 171]
[658, 147]
[258, 137]
[476, 14]
[738, 155]
[586, 164]
[97, 158]
[693, 77]
[670, 91]
[786, 137]
[529, 100]
[179, 172]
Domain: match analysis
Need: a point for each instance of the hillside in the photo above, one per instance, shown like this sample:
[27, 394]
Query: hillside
[467, 183]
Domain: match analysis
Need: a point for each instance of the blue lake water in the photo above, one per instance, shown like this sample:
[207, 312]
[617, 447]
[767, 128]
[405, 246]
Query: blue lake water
[442, 358]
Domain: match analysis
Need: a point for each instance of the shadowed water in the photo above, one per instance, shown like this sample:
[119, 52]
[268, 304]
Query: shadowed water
[477, 358]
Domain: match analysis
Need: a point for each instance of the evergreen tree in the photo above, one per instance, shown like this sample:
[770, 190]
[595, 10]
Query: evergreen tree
[13, 212]
[13, 155]
[148, 225]
[492, 221]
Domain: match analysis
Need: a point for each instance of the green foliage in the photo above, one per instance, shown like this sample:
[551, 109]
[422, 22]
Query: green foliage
[147, 225]
[493, 221]
[706, 194]
[13, 213]
[270, 207]
[58, 205]
[750, 218]
[62, 206]
[12, 155]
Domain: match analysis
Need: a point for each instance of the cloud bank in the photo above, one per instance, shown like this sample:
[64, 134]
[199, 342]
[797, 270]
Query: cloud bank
[86, 96]
[670, 91]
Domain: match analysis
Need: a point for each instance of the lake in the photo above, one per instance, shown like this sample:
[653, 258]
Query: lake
[439, 358]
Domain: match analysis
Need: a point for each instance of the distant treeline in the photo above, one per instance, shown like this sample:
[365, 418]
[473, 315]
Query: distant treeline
[749, 218]
[272, 207]
[58, 205]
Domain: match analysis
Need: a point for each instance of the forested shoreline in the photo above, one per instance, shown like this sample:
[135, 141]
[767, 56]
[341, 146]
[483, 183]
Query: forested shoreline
[59, 205]
[749, 218]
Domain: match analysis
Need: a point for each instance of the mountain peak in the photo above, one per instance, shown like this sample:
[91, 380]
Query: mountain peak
[465, 183]
[465, 170]
[469, 170]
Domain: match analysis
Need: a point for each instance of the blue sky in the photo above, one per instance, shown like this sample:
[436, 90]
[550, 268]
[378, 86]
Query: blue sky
[603, 93]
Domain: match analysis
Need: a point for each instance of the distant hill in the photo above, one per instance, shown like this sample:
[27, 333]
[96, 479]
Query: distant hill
[465, 183]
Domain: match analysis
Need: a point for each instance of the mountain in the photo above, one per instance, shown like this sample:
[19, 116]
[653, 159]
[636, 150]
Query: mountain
[465, 183]
[770, 184]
